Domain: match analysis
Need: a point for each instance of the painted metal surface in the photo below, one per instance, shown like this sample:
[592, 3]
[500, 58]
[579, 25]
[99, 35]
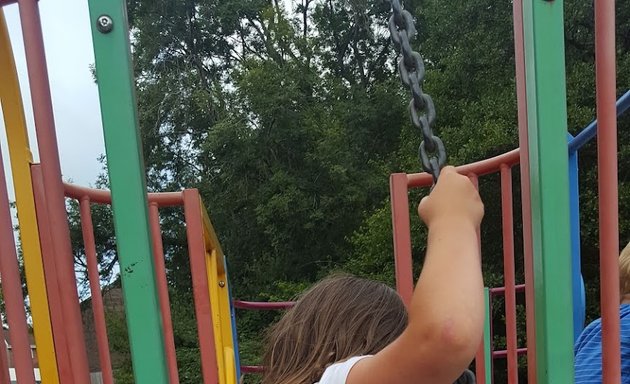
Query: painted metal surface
[509, 277]
[96, 297]
[21, 159]
[12, 290]
[162, 285]
[129, 193]
[605, 80]
[52, 183]
[549, 187]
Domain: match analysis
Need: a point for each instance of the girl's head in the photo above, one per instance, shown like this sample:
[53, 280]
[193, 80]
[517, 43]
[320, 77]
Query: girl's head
[338, 318]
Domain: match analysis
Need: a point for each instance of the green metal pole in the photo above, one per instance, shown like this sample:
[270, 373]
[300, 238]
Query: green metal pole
[110, 36]
[549, 185]
[487, 339]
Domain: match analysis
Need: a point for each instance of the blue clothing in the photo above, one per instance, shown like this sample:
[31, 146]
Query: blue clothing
[588, 351]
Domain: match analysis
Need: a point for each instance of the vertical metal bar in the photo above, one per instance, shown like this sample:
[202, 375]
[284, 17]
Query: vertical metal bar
[509, 273]
[12, 289]
[605, 73]
[98, 309]
[201, 290]
[21, 159]
[549, 187]
[579, 299]
[402, 235]
[110, 35]
[51, 171]
[4, 361]
[162, 285]
[487, 340]
[521, 96]
[64, 365]
[480, 357]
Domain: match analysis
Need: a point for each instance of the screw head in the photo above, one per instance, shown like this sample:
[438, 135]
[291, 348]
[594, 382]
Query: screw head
[221, 283]
[105, 24]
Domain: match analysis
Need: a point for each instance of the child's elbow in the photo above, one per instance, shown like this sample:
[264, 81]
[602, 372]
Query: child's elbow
[456, 338]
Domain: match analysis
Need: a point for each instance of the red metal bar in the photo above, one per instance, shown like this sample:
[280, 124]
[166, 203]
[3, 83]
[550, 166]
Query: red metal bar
[12, 290]
[605, 73]
[4, 362]
[201, 290]
[239, 304]
[509, 273]
[102, 196]
[521, 97]
[251, 369]
[51, 171]
[402, 235]
[480, 357]
[98, 309]
[162, 285]
[501, 290]
[64, 365]
[504, 353]
[480, 168]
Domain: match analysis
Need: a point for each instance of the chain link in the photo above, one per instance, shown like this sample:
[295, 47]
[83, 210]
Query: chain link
[432, 153]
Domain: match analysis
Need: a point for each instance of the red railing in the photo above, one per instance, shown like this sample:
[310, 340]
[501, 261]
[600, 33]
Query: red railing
[401, 183]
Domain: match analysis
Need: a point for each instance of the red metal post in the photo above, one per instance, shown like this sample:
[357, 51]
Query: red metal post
[402, 236]
[4, 362]
[51, 171]
[605, 66]
[52, 282]
[12, 290]
[509, 273]
[162, 286]
[480, 358]
[521, 96]
[98, 308]
[201, 290]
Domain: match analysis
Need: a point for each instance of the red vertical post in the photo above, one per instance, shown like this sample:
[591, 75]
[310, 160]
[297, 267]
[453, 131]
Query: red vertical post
[521, 97]
[4, 362]
[52, 282]
[98, 309]
[162, 285]
[508, 273]
[12, 290]
[480, 357]
[201, 290]
[51, 171]
[605, 72]
[402, 235]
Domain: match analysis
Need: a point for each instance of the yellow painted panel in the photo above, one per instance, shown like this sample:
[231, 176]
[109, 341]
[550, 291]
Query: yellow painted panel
[21, 159]
[220, 303]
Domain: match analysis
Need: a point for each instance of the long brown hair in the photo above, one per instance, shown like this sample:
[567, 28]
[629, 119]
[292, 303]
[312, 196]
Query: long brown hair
[340, 317]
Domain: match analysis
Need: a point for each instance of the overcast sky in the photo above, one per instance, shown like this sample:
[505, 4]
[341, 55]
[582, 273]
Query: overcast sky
[69, 53]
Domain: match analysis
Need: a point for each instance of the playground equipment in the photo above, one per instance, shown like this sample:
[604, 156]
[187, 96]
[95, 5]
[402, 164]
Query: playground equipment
[549, 206]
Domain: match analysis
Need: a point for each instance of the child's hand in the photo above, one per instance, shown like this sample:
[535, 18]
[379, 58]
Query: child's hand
[453, 198]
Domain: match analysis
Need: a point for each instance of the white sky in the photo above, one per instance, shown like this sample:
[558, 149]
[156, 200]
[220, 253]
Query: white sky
[69, 52]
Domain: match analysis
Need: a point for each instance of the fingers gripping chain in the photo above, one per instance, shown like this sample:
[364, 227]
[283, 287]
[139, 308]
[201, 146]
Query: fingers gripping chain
[432, 153]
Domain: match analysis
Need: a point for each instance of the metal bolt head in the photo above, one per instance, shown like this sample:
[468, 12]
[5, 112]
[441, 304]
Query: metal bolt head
[105, 24]
[221, 283]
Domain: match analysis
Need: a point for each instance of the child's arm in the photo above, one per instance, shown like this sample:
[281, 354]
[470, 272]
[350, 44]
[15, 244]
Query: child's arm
[446, 314]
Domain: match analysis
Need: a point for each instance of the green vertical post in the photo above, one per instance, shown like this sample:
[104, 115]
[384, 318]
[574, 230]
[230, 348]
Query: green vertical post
[114, 74]
[549, 185]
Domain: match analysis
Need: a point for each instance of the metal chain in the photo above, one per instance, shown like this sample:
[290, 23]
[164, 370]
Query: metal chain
[432, 153]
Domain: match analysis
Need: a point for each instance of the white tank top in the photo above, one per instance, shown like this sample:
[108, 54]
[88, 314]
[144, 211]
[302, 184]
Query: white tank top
[338, 372]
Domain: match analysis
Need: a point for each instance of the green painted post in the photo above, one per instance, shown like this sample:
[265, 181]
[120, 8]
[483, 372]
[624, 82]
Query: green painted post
[127, 177]
[547, 118]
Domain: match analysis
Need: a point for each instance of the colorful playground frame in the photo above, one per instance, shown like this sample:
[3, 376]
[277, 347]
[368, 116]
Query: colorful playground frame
[550, 208]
